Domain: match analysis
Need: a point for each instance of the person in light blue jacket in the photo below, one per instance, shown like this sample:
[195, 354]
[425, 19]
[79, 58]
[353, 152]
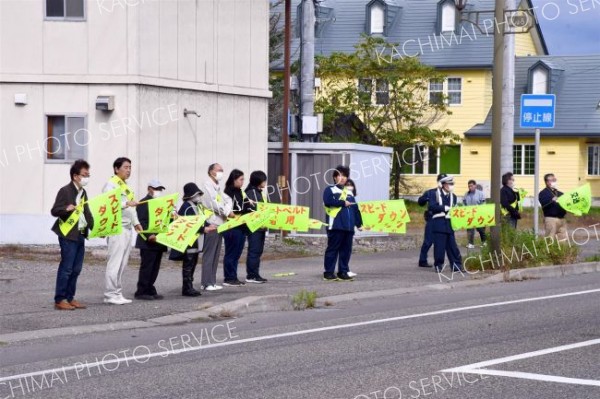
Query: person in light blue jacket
[474, 197]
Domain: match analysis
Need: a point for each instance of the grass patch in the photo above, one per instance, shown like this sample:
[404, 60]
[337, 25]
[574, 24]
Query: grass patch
[304, 300]
[593, 258]
[521, 249]
[292, 242]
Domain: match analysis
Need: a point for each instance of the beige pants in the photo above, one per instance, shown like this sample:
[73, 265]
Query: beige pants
[119, 247]
[555, 227]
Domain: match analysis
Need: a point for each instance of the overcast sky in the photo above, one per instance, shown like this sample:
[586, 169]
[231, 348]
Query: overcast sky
[570, 26]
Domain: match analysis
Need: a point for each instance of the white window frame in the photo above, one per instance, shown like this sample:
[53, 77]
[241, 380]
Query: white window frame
[539, 87]
[595, 166]
[374, 91]
[45, 137]
[522, 171]
[445, 92]
[379, 8]
[448, 7]
[65, 18]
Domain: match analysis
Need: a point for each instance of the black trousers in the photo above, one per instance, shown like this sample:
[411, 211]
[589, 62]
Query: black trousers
[148, 271]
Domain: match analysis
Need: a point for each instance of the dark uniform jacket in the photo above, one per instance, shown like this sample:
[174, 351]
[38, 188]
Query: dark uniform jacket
[440, 223]
[66, 196]
[143, 217]
[549, 207]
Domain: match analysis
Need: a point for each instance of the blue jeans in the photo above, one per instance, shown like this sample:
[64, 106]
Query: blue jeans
[256, 245]
[339, 250]
[234, 246]
[427, 243]
[71, 263]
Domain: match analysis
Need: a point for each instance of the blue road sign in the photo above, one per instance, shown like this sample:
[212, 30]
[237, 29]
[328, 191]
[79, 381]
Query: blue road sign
[538, 111]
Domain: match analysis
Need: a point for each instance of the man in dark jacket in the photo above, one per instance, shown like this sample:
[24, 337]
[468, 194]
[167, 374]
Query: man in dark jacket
[509, 200]
[150, 251]
[428, 235]
[554, 215]
[72, 227]
[441, 200]
[341, 221]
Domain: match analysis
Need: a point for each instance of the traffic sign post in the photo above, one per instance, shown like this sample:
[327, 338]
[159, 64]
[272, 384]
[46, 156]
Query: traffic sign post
[538, 111]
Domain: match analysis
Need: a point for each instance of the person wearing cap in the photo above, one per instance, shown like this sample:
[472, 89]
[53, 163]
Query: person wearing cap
[119, 246]
[73, 223]
[150, 251]
[192, 197]
[554, 215]
[215, 200]
[510, 200]
[440, 201]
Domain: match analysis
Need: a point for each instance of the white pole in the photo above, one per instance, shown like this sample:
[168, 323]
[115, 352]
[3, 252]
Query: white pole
[536, 182]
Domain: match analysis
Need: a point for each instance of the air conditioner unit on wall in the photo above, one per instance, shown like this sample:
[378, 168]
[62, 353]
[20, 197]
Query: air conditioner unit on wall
[105, 103]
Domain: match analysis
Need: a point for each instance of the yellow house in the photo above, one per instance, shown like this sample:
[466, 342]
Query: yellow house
[433, 31]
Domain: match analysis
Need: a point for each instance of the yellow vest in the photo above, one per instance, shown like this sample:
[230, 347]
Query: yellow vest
[333, 211]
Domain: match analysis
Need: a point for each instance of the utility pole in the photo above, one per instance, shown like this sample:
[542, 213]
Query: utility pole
[307, 66]
[285, 138]
[508, 93]
[497, 139]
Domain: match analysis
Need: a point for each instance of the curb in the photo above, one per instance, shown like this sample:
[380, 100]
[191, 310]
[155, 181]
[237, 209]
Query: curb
[267, 303]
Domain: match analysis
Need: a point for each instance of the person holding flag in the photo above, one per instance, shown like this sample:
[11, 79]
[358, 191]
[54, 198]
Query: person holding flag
[74, 220]
[256, 240]
[213, 200]
[341, 221]
[151, 252]
[554, 215]
[351, 197]
[119, 246]
[510, 200]
[440, 201]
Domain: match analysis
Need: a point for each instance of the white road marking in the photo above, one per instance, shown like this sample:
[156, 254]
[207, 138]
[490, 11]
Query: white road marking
[301, 332]
[476, 368]
[535, 377]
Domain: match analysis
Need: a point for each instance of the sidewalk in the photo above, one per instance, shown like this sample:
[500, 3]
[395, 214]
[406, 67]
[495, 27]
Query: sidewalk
[27, 289]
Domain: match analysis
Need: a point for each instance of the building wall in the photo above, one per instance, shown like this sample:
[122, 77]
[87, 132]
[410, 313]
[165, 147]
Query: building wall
[156, 58]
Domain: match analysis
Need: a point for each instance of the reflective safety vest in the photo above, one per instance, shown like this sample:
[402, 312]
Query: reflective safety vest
[516, 204]
[333, 211]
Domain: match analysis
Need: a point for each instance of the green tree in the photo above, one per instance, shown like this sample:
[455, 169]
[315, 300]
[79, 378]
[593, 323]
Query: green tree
[390, 97]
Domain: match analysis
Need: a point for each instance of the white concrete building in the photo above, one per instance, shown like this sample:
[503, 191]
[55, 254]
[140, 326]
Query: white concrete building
[61, 60]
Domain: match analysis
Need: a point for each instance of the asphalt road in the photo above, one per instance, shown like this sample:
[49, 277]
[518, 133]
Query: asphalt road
[533, 339]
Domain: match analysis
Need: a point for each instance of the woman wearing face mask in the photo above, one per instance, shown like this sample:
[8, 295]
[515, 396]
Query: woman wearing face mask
[235, 238]
[509, 200]
[351, 194]
[191, 199]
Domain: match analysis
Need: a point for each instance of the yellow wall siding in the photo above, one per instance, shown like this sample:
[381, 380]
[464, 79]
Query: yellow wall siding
[524, 45]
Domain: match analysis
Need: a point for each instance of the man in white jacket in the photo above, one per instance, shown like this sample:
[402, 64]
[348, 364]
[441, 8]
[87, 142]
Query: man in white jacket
[119, 246]
[217, 201]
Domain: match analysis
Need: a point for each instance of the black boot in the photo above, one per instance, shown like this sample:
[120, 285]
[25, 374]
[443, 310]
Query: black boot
[187, 274]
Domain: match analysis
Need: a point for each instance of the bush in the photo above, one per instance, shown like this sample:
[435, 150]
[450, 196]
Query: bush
[304, 300]
[521, 249]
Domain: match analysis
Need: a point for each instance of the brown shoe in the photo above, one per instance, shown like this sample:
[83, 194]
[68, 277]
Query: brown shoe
[77, 305]
[63, 305]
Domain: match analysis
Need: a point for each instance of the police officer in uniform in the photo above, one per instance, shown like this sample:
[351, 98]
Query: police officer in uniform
[428, 236]
[441, 200]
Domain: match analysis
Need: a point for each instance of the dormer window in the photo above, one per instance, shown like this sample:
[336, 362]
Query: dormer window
[447, 16]
[377, 18]
[539, 80]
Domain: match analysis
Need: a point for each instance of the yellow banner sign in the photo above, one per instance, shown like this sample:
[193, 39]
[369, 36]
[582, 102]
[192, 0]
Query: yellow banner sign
[67, 225]
[471, 217]
[107, 213]
[385, 216]
[578, 201]
[159, 213]
[286, 217]
[182, 232]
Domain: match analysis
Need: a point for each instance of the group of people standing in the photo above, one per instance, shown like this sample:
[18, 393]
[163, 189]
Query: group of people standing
[224, 202]
[439, 231]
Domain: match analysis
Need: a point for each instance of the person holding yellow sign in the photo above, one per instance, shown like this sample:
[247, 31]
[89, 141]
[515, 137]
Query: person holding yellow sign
[510, 200]
[72, 225]
[255, 193]
[341, 222]
[119, 246]
[441, 200]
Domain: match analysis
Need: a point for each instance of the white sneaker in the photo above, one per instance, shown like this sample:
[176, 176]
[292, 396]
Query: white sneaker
[115, 301]
[210, 288]
[217, 287]
[470, 246]
[352, 274]
[125, 300]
